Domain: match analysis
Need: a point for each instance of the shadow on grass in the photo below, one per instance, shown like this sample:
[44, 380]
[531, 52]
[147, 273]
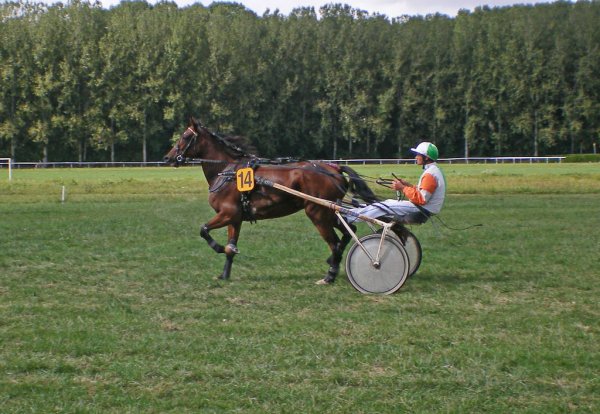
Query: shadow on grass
[429, 281]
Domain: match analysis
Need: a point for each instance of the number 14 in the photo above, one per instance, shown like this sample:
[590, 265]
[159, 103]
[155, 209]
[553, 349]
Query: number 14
[245, 179]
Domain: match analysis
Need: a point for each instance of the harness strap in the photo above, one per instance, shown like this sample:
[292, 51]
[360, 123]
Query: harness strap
[247, 214]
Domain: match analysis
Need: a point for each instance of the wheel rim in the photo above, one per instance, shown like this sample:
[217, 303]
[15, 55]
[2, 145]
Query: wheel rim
[413, 250]
[385, 279]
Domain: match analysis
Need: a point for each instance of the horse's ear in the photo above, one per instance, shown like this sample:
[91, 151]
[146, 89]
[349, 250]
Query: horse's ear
[196, 123]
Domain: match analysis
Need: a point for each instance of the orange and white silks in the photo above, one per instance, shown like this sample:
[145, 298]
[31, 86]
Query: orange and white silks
[430, 192]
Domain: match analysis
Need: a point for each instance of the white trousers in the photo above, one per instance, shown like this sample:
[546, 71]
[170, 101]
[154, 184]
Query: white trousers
[403, 211]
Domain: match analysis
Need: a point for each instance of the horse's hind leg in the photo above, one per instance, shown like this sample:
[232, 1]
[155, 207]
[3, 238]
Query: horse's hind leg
[337, 253]
[323, 219]
[346, 236]
[334, 266]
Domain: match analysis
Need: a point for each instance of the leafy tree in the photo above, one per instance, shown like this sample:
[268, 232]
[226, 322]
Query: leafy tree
[79, 61]
[585, 104]
[80, 81]
[16, 67]
[48, 35]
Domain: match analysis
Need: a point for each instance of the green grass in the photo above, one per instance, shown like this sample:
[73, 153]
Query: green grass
[108, 302]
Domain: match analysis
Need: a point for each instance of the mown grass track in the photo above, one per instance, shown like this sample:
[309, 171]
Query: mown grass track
[108, 302]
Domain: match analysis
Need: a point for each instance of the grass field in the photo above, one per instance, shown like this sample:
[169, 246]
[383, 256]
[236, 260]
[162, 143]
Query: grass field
[108, 302]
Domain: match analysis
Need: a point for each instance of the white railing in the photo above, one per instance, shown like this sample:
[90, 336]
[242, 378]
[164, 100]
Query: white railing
[352, 161]
[470, 160]
[85, 164]
[504, 160]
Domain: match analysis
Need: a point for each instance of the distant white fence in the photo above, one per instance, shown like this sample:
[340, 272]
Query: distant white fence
[76, 164]
[354, 161]
[470, 160]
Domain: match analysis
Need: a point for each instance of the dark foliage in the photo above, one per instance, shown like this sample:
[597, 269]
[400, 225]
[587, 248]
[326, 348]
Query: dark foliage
[82, 82]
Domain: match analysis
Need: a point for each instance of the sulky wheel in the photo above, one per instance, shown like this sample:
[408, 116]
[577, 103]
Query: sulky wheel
[388, 276]
[413, 250]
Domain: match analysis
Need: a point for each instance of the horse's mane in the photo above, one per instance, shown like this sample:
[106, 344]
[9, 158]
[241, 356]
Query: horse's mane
[237, 145]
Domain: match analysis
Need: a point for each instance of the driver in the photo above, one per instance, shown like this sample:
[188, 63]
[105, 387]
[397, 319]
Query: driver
[423, 200]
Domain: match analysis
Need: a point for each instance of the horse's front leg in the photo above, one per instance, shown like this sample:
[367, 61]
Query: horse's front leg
[233, 233]
[230, 250]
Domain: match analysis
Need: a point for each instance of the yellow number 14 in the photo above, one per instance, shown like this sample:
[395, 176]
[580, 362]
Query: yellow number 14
[245, 179]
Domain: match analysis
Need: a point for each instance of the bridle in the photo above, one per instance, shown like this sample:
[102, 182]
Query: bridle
[179, 154]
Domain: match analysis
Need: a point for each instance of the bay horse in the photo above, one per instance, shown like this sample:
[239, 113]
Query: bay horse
[222, 156]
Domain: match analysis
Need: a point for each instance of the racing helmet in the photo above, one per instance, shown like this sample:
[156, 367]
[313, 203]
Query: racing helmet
[427, 149]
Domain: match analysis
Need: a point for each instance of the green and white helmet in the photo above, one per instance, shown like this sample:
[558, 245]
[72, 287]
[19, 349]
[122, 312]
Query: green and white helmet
[427, 149]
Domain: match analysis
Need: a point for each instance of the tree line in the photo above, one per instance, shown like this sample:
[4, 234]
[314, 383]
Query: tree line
[81, 82]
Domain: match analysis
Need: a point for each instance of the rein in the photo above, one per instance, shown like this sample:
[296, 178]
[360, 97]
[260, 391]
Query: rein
[240, 153]
[254, 162]
[204, 161]
[387, 182]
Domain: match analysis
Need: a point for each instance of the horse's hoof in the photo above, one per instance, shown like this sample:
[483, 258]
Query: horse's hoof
[324, 281]
[222, 277]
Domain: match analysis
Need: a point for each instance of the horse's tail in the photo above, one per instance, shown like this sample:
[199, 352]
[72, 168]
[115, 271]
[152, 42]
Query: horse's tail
[358, 186]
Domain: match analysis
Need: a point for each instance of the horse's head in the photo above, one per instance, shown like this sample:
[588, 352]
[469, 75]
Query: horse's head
[185, 146]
